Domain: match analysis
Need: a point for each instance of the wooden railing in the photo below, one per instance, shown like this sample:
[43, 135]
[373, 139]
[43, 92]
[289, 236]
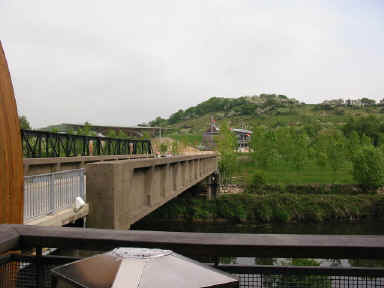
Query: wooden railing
[194, 244]
[210, 245]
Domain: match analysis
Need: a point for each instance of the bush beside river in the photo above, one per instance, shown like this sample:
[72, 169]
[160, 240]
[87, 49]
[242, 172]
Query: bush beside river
[276, 207]
[317, 189]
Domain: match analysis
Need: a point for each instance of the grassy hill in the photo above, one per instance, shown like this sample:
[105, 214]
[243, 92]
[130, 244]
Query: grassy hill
[270, 110]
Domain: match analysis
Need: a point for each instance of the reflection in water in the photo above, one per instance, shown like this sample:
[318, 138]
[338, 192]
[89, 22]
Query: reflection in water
[359, 228]
[350, 228]
[366, 263]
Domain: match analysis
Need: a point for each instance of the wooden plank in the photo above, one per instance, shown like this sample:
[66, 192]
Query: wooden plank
[11, 157]
[209, 244]
[9, 239]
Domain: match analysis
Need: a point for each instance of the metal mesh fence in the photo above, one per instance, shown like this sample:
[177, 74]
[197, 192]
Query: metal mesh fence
[306, 277]
[17, 271]
[30, 272]
[308, 281]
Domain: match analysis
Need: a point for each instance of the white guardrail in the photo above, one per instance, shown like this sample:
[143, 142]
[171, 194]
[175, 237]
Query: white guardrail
[47, 193]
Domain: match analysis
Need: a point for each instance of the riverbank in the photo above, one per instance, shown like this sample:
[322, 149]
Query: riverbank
[345, 189]
[269, 208]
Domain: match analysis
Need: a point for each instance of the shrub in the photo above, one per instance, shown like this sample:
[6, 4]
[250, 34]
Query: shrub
[305, 281]
[175, 147]
[255, 182]
[268, 208]
[163, 148]
[368, 166]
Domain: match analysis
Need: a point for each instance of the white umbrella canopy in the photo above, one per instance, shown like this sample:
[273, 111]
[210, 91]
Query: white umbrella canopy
[141, 268]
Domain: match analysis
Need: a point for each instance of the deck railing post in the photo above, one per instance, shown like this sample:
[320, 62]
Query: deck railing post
[39, 268]
[51, 193]
[82, 190]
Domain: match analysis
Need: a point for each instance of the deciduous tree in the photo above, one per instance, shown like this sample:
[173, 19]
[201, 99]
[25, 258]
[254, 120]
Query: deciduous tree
[226, 146]
[24, 123]
[368, 166]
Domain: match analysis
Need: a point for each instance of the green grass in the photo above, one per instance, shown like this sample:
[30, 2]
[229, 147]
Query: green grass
[187, 139]
[284, 175]
[311, 174]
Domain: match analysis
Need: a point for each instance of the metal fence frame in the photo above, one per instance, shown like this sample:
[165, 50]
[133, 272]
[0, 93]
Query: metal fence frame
[34, 271]
[47, 193]
[39, 144]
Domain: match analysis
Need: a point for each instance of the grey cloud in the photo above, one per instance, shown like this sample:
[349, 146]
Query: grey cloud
[125, 62]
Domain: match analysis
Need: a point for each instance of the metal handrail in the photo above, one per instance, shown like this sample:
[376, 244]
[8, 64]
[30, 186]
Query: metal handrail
[47, 193]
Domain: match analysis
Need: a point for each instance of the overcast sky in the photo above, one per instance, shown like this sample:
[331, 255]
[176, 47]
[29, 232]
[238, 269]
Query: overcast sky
[127, 62]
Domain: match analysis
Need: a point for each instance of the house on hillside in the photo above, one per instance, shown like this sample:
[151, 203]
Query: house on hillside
[352, 102]
[208, 141]
[243, 137]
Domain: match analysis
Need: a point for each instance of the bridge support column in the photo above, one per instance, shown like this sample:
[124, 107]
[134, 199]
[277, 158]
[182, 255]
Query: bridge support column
[213, 185]
[149, 183]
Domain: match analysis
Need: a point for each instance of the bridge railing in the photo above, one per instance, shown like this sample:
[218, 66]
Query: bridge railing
[35, 270]
[39, 144]
[47, 193]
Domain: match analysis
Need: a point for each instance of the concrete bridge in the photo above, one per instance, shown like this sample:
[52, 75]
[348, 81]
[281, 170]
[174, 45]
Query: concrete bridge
[121, 189]
[120, 193]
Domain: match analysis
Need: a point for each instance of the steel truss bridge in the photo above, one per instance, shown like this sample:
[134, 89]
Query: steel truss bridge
[41, 144]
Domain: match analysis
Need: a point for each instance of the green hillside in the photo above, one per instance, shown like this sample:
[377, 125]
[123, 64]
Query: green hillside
[337, 141]
[270, 110]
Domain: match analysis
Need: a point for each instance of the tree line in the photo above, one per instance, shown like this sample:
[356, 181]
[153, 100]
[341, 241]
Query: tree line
[246, 105]
[359, 144]
[86, 130]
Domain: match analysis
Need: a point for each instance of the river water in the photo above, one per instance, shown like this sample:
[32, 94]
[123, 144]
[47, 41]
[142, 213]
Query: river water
[355, 228]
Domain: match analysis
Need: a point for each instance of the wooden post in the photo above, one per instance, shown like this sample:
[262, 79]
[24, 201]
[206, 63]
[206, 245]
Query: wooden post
[11, 157]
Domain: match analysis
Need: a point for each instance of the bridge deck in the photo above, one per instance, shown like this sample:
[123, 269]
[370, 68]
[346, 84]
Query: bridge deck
[36, 166]
[60, 218]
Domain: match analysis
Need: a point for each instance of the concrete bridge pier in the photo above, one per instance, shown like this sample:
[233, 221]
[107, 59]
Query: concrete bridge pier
[212, 186]
[120, 193]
